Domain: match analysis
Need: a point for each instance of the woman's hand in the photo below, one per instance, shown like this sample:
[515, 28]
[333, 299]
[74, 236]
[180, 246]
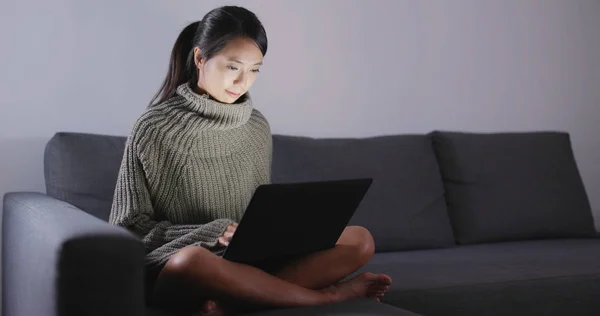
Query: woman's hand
[226, 238]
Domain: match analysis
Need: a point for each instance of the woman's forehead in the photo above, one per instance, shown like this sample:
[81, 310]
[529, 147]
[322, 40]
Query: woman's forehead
[242, 50]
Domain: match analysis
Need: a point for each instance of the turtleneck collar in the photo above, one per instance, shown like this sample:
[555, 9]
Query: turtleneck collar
[221, 115]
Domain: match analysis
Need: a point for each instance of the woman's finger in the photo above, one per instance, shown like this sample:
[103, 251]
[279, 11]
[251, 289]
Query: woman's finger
[223, 241]
[228, 235]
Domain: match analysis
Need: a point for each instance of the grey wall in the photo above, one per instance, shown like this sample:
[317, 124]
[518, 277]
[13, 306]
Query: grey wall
[334, 68]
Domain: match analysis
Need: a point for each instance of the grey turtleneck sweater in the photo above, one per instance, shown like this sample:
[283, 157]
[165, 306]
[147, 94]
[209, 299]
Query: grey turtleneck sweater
[189, 170]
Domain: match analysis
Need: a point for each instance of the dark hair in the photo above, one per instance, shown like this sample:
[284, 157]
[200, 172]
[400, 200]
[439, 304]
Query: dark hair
[211, 35]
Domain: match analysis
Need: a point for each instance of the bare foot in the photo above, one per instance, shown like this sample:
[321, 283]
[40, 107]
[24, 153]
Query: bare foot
[211, 308]
[366, 284]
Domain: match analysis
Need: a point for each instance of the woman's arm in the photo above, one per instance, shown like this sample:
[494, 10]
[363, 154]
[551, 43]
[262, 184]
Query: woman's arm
[132, 209]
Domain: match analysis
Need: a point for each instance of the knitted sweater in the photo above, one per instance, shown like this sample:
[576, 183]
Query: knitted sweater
[190, 168]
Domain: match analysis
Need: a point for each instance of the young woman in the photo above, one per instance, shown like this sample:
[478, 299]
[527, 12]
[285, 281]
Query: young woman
[191, 165]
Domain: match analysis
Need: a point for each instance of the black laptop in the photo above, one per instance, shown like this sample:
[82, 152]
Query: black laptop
[287, 221]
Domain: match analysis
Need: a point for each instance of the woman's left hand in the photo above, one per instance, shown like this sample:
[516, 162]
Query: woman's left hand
[228, 234]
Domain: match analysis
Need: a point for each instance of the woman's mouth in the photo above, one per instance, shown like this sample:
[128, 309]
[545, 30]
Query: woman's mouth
[235, 95]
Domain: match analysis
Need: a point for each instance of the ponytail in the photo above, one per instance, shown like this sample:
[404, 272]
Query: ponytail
[181, 65]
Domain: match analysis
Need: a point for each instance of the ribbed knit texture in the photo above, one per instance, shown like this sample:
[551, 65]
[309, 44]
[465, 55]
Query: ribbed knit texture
[190, 168]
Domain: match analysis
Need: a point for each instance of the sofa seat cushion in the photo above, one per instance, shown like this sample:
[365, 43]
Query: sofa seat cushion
[541, 277]
[349, 308]
[358, 307]
[512, 186]
[405, 206]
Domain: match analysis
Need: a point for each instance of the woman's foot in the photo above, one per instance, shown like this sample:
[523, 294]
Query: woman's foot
[366, 284]
[211, 308]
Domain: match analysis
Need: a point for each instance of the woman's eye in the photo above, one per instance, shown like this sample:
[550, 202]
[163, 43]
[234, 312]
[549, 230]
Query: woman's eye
[255, 70]
[232, 68]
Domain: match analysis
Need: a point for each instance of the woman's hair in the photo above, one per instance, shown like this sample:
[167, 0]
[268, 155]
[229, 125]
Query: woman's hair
[211, 35]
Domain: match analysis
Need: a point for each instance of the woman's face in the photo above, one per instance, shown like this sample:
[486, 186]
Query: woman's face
[231, 72]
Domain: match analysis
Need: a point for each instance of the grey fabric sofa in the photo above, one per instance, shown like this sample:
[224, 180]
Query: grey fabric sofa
[464, 223]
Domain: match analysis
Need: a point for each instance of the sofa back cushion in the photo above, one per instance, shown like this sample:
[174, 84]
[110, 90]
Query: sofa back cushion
[512, 186]
[403, 209]
[82, 169]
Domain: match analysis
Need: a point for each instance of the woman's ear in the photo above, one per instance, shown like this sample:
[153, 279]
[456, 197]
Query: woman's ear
[198, 60]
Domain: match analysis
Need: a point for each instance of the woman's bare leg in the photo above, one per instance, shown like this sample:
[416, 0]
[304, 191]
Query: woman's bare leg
[353, 250]
[321, 270]
[194, 274]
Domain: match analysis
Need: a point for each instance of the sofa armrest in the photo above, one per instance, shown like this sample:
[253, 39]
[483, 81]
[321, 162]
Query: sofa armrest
[59, 260]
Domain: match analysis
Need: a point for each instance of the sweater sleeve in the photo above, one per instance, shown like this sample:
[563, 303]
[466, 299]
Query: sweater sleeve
[132, 208]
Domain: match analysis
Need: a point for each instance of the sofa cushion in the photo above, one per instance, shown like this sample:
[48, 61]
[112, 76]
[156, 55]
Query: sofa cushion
[356, 307]
[403, 209]
[512, 186]
[541, 277]
[82, 169]
[348, 308]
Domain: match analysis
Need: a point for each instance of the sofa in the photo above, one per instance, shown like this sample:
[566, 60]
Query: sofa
[465, 223]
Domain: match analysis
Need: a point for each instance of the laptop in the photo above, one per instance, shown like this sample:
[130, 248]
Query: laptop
[286, 221]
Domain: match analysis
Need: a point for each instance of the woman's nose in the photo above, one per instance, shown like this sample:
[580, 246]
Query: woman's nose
[241, 80]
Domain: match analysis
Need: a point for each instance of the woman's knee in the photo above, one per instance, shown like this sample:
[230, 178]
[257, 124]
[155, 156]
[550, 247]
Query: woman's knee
[361, 239]
[185, 262]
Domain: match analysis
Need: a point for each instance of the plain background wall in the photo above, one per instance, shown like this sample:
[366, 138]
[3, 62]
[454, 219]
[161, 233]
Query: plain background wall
[335, 68]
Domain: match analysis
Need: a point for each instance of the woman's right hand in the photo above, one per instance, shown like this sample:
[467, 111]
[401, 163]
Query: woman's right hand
[228, 234]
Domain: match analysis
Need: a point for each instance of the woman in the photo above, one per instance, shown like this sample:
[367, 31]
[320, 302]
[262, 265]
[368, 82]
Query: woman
[191, 165]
